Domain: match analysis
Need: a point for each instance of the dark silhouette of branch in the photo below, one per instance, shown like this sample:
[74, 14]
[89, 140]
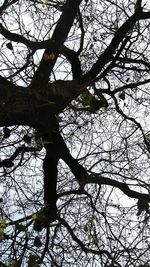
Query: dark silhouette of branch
[81, 244]
[6, 4]
[59, 36]
[20, 150]
[56, 149]
[70, 54]
[108, 54]
[98, 179]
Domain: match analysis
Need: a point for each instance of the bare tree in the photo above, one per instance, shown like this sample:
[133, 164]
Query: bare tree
[75, 133]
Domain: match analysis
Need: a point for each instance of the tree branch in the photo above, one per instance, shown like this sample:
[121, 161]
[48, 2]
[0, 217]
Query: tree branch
[81, 244]
[98, 179]
[50, 163]
[131, 86]
[70, 9]
[6, 4]
[22, 149]
[70, 54]
[77, 169]
[107, 55]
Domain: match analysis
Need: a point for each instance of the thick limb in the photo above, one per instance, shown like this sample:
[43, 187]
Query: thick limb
[63, 153]
[50, 177]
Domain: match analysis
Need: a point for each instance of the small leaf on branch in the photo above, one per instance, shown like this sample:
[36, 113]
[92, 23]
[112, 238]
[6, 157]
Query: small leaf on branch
[34, 216]
[27, 139]
[86, 228]
[49, 56]
[7, 163]
[37, 242]
[142, 205]
[86, 98]
[9, 46]
[6, 132]
[122, 95]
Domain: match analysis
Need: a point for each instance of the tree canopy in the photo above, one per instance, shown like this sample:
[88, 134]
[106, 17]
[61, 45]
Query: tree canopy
[75, 133]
